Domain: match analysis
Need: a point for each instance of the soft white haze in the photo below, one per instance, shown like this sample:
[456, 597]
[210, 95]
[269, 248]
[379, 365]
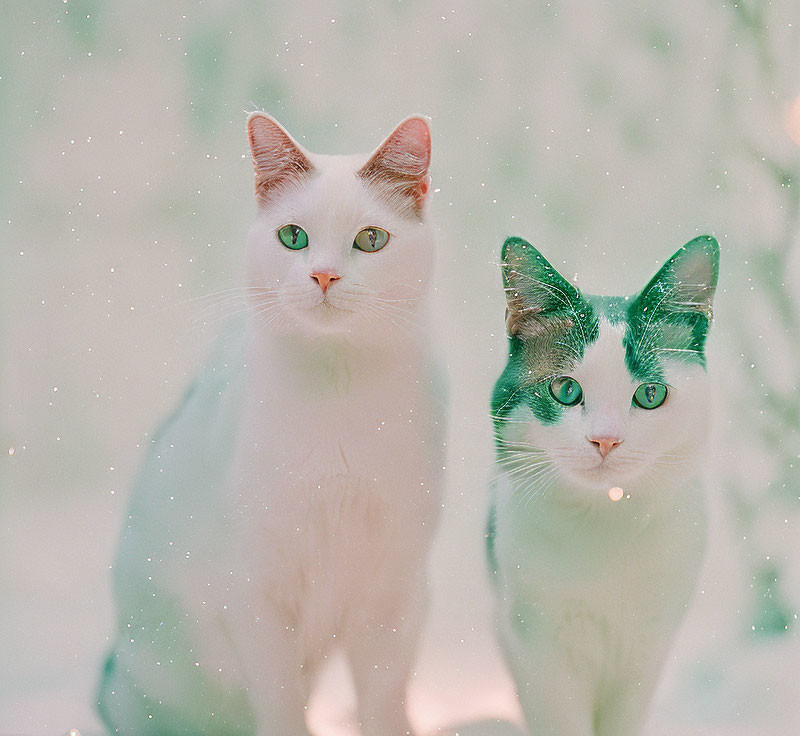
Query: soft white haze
[607, 134]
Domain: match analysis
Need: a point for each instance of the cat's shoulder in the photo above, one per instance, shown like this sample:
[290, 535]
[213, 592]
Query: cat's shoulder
[195, 442]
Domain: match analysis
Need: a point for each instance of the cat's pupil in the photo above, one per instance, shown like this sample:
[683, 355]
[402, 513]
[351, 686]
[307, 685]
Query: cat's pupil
[373, 236]
[650, 392]
[295, 233]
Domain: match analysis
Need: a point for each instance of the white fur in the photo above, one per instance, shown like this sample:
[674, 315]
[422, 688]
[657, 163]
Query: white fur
[592, 591]
[339, 463]
[316, 537]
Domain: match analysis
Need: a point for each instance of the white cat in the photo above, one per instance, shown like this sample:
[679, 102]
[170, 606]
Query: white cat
[287, 508]
[597, 527]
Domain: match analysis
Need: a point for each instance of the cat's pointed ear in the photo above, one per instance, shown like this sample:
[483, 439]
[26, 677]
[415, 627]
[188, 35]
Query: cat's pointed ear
[277, 158]
[399, 166]
[685, 284]
[539, 300]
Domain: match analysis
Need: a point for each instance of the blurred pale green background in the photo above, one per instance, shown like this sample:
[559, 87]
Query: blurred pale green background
[607, 133]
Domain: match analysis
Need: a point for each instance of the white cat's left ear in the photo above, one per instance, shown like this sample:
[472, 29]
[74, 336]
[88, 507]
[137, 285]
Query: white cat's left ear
[399, 166]
[277, 158]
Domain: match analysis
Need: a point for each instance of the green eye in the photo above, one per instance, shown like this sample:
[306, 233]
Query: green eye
[566, 390]
[293, 236]
[371, 239]
[650, 395]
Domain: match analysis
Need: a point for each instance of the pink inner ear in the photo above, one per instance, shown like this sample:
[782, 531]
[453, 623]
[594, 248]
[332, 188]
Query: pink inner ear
[424, 187]
[276, 157]
[399, 168]
[408, 149]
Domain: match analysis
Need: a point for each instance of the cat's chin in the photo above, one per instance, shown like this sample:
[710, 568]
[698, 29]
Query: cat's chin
[602, 477]
[352, 322]
[329, 319]
[325, 319]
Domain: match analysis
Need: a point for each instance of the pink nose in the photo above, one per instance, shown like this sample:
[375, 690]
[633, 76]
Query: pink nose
[604, 445]
[324, 279]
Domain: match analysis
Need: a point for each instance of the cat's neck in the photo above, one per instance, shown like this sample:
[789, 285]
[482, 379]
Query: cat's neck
[329, 363]
[660, 495]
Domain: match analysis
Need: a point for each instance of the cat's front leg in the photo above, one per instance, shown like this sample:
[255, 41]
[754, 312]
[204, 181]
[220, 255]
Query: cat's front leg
[553, 705]
[624, 712]
[381, 648]
[277, 683]
[554, 694]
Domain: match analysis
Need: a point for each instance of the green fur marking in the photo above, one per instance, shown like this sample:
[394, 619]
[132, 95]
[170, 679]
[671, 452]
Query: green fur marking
[614, 309]
[550, 323]
[773, 616]
[670, 317]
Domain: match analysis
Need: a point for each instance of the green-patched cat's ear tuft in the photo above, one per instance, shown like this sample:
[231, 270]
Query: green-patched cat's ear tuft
[686, 283]
[539, 299]
[670, 317]
[276, 157]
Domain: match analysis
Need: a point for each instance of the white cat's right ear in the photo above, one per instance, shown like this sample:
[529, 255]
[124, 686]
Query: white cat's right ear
[399, 167]
[277, 158]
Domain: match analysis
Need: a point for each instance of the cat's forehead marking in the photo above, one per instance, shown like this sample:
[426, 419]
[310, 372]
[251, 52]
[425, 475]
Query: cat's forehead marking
[613, 308]
[333, 202]
[640, 340]
[603, 368]
[607, 348]
[335, 178]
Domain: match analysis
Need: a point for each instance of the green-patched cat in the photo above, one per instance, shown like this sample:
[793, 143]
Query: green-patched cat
[597, 525]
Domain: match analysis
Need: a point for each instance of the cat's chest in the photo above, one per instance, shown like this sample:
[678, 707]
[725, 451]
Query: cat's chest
[624, 563]
[608, 595]
[331, 476]
[366, 434]
[345, 433]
